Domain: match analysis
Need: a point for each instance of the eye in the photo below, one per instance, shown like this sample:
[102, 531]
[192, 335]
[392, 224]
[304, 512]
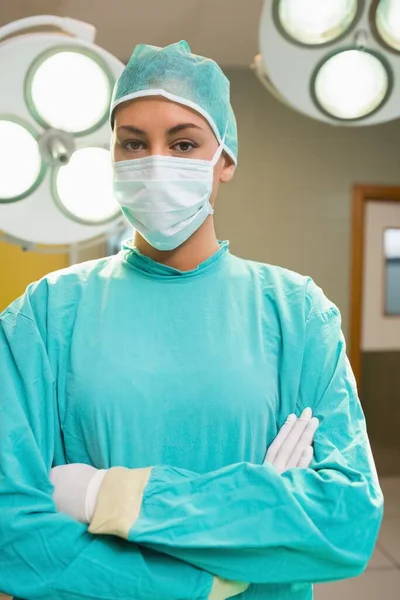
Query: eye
[184, 146]
[133, 145]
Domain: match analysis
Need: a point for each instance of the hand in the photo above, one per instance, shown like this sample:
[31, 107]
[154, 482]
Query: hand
[292, 446]
[76, 487]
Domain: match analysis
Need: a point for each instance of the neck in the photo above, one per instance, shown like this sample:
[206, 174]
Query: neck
[191, 254]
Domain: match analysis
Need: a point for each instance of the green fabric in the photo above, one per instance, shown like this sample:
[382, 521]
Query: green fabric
[126, 362]
[193, 80]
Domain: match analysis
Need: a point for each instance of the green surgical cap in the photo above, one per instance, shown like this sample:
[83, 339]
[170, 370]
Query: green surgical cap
[177, 74]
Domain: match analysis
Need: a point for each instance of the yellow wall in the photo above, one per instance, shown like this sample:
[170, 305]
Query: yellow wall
[18, 269]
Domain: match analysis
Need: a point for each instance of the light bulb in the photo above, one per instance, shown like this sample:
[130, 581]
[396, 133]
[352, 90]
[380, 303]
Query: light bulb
[20, 161]
[351, 84]
[388, 22]
[70, 91]
[314, 22]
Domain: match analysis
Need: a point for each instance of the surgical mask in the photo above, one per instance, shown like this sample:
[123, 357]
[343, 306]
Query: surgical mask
[166, 199]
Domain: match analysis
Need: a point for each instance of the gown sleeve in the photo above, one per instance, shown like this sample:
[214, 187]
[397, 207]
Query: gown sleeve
[246, 522]
[45, 554]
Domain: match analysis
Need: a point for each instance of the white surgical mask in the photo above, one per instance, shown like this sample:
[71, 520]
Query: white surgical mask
[166, 199]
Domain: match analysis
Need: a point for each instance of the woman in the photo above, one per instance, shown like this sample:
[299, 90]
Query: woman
[168, 370]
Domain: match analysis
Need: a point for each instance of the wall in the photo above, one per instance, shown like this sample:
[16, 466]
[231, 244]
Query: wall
[290, 201]
[380, 394]
[18, 269]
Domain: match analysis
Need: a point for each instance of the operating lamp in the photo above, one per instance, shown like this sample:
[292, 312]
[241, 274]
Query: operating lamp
[55, 165]
[334, 60]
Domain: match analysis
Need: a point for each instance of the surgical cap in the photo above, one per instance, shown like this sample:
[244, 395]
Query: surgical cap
[177, 74]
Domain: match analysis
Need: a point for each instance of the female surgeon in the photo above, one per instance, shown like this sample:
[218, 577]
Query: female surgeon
[140, 392]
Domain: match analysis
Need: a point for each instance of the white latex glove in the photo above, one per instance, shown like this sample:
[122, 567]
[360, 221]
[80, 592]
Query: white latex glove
[292, 446]
[76, 487]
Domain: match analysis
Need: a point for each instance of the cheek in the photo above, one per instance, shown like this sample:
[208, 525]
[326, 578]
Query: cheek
[217, 176]
[117, 152]
[113, 149]
[217, 172]
[216, 183]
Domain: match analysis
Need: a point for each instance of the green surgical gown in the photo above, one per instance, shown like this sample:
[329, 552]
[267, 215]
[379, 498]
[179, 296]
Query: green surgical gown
[126, 362]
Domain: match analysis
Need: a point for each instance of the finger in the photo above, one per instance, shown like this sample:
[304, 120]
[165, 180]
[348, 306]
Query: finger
[306, 414]
[281, 460]
[304, 442]
[306, 459]
[280, 438]
[308, 436]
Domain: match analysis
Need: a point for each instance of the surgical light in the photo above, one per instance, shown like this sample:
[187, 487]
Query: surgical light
[314, 22]
[55, 165]
[387, 18]
[351, 84]
[337, 61]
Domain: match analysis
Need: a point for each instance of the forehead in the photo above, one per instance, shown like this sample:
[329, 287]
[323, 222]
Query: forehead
[156, 110]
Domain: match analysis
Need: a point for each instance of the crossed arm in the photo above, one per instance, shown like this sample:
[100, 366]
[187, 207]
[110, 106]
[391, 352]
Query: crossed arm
[77, 486]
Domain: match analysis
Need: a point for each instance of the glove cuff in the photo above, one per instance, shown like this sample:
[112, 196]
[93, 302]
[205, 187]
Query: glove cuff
[92, 493]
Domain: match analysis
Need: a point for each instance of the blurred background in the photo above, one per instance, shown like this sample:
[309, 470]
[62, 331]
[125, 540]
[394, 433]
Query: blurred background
[316, 91]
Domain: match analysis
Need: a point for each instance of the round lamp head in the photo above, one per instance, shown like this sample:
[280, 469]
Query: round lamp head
[315, 22]
[387, 21]
[351, 84]
[84, 189]
[69, 89]
[21, 165]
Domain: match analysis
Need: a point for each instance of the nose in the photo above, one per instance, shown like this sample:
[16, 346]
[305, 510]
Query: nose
[158, 149]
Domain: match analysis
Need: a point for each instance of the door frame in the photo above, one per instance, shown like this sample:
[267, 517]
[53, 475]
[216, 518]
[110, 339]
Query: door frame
[361, 195]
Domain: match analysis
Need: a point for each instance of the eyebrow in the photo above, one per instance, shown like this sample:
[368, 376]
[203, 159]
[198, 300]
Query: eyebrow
[181, 127]
[171, 131]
